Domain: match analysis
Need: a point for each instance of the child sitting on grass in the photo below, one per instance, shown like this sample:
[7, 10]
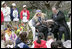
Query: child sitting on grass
[39, 43]
[2, 40]
[50, 39]
[21, 41]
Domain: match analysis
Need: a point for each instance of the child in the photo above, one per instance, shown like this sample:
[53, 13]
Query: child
[39, 43]
[54, 44]
[24, 14]
[13, 37]
[2, 40]
[50, 40]
[60, 44]
[8, 32]
[14, 14]
[21, 41]
[9, 44]
[67, 44]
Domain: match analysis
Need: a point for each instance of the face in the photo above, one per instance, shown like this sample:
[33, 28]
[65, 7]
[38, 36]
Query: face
[54, 10]
[4, 5]
[24, 8]
[38, 14]
[14, 7]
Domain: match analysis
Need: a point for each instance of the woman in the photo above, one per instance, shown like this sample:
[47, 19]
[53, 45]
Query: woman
[36, 21]
[14, 14]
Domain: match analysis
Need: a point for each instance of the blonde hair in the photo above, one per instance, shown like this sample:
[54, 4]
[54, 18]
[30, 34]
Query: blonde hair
[42, 15]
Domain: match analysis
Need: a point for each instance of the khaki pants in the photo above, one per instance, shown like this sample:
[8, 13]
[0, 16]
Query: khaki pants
[33, 29]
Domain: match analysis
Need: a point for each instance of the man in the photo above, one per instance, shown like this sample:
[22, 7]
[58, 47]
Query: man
[60, 21]
[6, 12]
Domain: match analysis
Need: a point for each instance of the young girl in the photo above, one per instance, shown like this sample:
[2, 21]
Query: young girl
[22, 40]
[13, 37]
[39, 43]
[50, 39]
[8, 32]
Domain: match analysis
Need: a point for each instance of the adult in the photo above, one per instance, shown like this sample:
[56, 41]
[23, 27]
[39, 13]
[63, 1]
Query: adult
[59, 18]
[36, 22]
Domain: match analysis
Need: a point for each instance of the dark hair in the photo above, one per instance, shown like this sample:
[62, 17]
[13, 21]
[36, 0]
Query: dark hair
[69, 15]
[60, 44]
[54, 45]
[40, 36]
[8, 25]
[23, 37]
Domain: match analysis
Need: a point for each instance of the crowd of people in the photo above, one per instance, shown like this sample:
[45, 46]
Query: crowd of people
[47, 33]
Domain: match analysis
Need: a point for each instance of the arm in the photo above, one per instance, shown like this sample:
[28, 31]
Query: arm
[21, 16]
[8, 11]
[60, 16]
[18, 14]
[28, 15]
[15, 13]
[2, 17]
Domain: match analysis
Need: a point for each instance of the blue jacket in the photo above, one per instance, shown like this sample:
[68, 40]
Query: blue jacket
[11, 14]
[20, 44]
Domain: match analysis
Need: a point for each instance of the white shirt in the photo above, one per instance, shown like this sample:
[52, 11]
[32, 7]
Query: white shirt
[24, 17]
[15, 14]
[6, 13]
[2, 44]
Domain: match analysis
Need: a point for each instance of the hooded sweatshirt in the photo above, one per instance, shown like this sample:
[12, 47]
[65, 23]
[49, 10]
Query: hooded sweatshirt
[42, 45]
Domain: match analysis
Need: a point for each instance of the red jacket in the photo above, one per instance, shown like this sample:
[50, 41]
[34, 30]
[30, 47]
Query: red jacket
[2, 17]
[21, 14]
[42, 45]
